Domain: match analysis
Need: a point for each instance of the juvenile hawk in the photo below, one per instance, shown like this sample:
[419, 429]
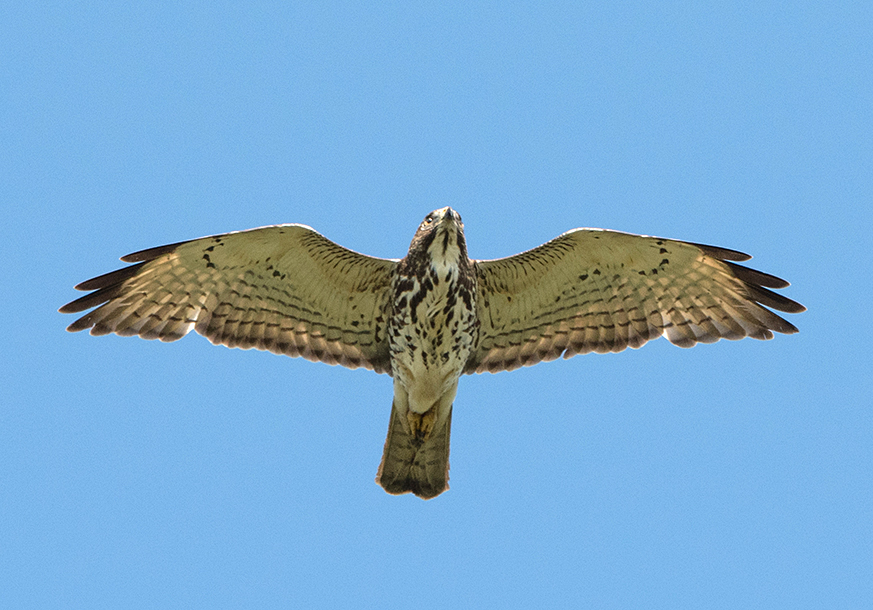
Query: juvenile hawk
[435, 314]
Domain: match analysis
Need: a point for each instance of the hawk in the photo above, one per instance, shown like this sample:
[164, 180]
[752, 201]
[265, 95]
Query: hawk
[435, 314]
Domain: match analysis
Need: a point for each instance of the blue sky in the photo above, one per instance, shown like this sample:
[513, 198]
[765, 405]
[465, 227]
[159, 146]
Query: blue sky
[136, 474]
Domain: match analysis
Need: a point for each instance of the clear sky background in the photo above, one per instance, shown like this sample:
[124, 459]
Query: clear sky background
[137, 474]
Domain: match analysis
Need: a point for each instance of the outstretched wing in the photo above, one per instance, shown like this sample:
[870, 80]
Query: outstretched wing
[603, 291]
[285, 288]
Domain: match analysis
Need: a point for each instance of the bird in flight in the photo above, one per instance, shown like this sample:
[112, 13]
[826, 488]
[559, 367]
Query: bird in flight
[435, 314]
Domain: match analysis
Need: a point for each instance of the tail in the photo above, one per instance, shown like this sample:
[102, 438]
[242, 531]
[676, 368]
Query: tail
[417, 465]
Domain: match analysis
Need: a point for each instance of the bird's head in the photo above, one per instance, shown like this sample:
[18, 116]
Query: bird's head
[439, 240]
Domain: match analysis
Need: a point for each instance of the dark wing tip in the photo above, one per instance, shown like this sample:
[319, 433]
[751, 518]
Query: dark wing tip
[71, 307]
[753, 276]
[113, 278]
[104, 288]
[143, 256]
[109, 279]
[774, 300]
[788, 328]
[757, 282]
[82, 323]
[98, 297]
[724, 254]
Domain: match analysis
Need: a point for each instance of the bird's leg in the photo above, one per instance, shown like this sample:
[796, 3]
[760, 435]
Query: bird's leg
[421, 424]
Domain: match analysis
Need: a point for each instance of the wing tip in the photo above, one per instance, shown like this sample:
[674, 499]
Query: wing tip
[143, 256]
[67, 308]
[81, 324]
[724, 254]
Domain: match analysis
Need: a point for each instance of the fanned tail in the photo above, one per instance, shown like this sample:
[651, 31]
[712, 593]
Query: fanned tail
[414, 465]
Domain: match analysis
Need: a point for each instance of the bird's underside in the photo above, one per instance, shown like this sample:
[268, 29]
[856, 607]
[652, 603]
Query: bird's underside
[435, 314]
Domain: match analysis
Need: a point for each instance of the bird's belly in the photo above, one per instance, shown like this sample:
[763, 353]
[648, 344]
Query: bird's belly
[428, 372]
[430, 354]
